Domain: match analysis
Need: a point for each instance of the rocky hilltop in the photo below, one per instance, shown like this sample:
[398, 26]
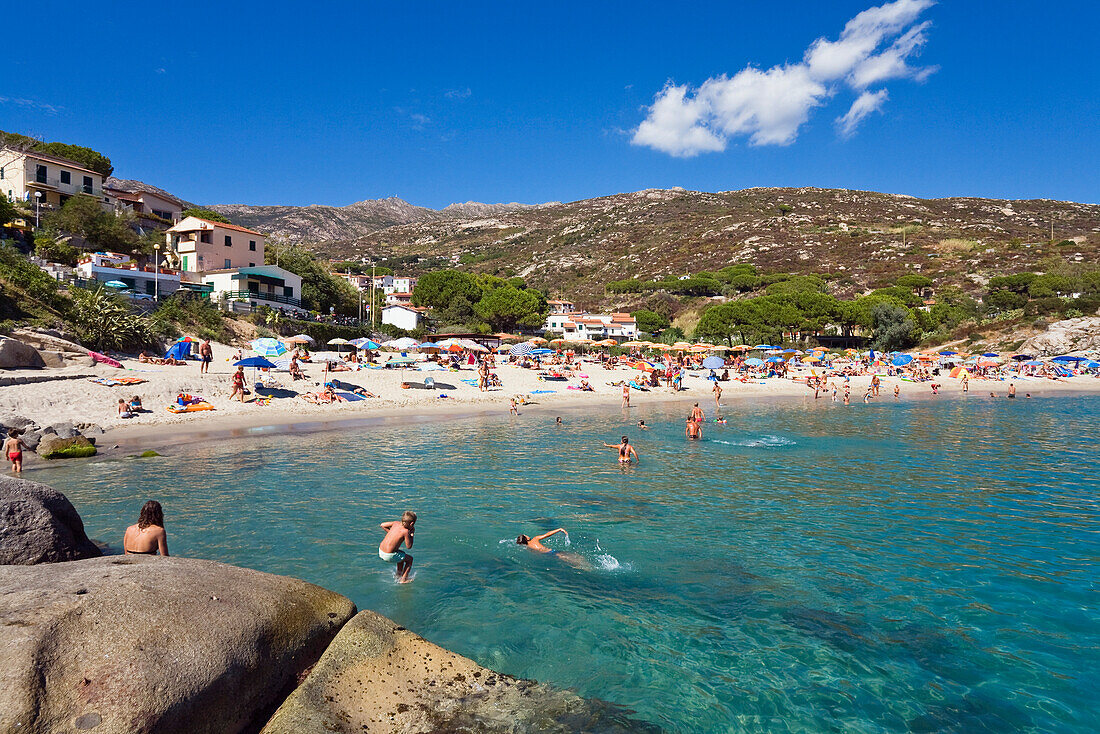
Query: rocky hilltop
[864, 238]
[321, 224]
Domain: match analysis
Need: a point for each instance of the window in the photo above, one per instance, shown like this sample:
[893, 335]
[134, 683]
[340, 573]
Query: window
[1, 173]
[207, 237]
[288, 291]
[252, 265]
[228, 242]
[87, 184]
[66, 177]
[40, 173]
[227, 265]
[252, 245]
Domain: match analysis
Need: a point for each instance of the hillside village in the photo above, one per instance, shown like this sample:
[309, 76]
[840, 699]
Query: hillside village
[761, 264]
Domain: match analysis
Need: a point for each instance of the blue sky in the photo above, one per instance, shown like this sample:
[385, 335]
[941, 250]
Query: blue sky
[285, 103]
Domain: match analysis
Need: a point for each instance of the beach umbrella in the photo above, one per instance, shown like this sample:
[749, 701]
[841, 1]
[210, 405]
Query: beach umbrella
[537, 340]
[901, 360]
[403, 343]
[299, 339]
[258, 362]
[116, 284]
[268, 347]
[338, 342]
[605, 343]
[1033, 363]
[991, 354]
[714, 363]
[1066, 358]
[681, 345]
[1022, 357]
[428, 345]
[634, 344]
[948, 354]
[186, 339]
[765, 346]
[541, 352]
[520, 349]
[364, 343]
[774, 360]
[754, 361]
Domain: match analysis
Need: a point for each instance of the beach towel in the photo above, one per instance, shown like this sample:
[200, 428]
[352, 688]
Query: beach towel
[189, 408]
[471, 383]
[350, 397]
[116, 381]
[104, 359]
[544, 392]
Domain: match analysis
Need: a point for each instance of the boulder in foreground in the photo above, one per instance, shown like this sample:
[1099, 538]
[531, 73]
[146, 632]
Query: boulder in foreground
[379, 677]
[140, 644]
[38, 524]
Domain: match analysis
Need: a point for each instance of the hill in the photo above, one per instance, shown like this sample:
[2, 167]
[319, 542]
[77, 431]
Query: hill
[335, 225]
[861, 239]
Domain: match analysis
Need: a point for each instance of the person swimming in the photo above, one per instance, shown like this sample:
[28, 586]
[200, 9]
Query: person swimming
[626, 451]
[643, 426]
[148, 536]
[535, 544]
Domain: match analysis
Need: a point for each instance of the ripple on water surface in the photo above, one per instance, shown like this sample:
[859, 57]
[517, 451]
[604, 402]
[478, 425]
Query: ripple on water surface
[806, 566]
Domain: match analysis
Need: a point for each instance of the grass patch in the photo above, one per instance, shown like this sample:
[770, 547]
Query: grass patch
[72, 452]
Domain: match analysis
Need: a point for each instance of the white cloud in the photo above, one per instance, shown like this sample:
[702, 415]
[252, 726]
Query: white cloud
[419, 120]
[31, 104]
[864, 105]
[458, 93]
[770, 106]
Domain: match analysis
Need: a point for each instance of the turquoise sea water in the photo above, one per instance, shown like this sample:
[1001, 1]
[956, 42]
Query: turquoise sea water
[917, 566]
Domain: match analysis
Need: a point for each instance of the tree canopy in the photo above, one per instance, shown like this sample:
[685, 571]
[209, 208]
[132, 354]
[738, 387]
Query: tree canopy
[207, 214]
[93, 160]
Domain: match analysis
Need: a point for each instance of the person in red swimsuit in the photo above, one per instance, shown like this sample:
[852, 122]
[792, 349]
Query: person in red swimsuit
[13, 448]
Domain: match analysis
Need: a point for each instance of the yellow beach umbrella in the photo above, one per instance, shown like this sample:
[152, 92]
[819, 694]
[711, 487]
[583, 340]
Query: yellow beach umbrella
[634, 344]
[540, 340]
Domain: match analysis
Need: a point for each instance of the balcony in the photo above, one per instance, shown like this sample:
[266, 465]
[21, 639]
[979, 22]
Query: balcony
[51, 183]
[271, 297]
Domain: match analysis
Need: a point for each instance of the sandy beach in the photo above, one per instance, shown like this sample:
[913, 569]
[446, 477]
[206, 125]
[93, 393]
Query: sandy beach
[83, 402]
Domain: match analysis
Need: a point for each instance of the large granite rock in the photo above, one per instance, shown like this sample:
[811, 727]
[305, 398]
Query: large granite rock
[51, 341]
[1068, 335]
[14, 354]
[379, 677]
[38, 524]
[52, 446]
[141, 644]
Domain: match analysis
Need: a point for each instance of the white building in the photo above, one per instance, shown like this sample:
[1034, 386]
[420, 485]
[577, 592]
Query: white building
[596, 326]
[399, 299]
[48, 180]
[561, 307]
[153, 210]
[262, 285]
[104, 267]
[408, 318]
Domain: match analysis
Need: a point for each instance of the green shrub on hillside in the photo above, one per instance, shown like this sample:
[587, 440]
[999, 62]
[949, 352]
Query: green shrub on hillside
[208, 214]
[104, 321]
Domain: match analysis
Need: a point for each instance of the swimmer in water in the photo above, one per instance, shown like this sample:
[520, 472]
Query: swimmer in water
[696, 414]
[558, 421]
[626, 451]
[535, 544]
[897, 391]
[693, 430]
[643, 426]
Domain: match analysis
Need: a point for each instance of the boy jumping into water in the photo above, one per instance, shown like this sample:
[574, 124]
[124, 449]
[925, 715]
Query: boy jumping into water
[389, 550]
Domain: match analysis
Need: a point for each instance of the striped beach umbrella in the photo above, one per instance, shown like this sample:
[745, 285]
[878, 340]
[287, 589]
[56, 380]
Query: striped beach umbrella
[268, 347]
[520, 349]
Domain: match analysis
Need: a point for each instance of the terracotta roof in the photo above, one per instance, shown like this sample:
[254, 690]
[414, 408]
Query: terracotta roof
[223, 225]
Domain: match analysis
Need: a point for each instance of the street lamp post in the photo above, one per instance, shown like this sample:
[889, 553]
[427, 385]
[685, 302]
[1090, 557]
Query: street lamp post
[37, 207]
[156, 272]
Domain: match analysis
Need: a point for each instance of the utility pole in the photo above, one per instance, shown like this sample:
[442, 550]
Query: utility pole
[373, 269]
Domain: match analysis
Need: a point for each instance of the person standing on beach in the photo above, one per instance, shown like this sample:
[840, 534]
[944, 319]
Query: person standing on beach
[238, 384]
[717, 390]
[966, 382]
[389, 550]
[874, 386]
[148, 535]
[13, 449]
[206, 354]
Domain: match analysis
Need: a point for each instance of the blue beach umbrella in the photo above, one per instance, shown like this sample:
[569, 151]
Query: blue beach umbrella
[268, 347]
[1033, 363]
[257, 362]
[116, 284]
[429, 345]
[901, 360]
[714, 363]
[541, 352]
[1067, 359]
[948, 354]
[754, 361]
[364, 343]
[522, 348]
[991, 354]
[773, 360]
[765, 346]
